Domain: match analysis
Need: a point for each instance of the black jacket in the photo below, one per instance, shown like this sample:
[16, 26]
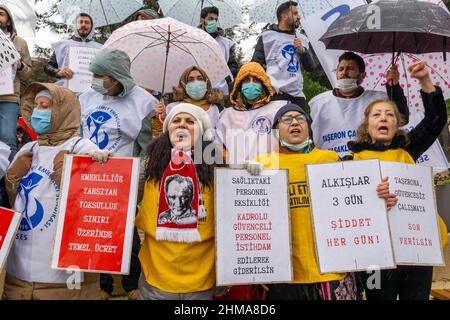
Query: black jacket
[422, 136]
[51, 67]
[306, 58]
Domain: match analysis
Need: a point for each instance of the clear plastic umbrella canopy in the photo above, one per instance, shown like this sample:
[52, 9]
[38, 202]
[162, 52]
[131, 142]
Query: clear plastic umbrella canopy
[161, 49]
[24, 16]
[103, 12]
[188, 11]
[264, 10]
[8, 53]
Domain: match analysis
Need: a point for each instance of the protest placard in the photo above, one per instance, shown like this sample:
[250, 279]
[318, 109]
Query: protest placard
[350, 222]
[413, 221]
[252, 227]
[9, 224]
[6, 81]
[79, 60]
[96, 216]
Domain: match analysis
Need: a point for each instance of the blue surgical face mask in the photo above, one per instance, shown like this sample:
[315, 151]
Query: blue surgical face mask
[97, 85]
[196, 89]
[211, 26]
[41, 121]
[251, 90]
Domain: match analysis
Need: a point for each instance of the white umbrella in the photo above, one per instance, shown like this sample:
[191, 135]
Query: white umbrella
[8, 53]
[188, 11]
[161, 49]
[103, 12]
[23, 15]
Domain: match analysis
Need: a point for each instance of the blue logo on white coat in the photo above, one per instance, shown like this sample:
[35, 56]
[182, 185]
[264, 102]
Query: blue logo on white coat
[94, 123]
[31, 219]
[289, 52]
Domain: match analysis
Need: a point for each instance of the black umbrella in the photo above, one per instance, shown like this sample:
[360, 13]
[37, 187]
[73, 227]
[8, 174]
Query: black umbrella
[392, 26]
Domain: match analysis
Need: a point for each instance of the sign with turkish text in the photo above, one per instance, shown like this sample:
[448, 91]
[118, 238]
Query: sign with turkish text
[252, 227]
[350, 221]
[414, 221]
[9, 223]
[79, 60]
[96, 218]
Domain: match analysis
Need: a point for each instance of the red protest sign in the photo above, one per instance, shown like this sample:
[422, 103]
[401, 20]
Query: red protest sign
[96, 215]
[9, 223]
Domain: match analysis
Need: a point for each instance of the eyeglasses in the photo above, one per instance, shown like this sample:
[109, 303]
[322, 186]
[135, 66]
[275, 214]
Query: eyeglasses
[300, 118]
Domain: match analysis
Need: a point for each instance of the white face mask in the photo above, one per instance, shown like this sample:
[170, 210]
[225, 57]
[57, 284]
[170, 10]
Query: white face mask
[347, 85]
[296, 147]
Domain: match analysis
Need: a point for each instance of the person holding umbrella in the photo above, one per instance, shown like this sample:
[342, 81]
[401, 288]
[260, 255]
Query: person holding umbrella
[337, 113]
[284, 51]
[21, 70]
[379, 136]
[114, 113]
[209, 18]
[83, 33]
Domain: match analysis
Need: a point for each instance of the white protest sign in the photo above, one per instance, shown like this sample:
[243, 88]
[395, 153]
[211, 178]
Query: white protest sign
[79, 60]
[252, 227]
[414, 223]
[6, 81]
[350, 222]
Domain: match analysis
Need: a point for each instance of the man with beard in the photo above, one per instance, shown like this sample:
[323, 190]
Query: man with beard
[57, 66]
[337, 113]
[284, 52]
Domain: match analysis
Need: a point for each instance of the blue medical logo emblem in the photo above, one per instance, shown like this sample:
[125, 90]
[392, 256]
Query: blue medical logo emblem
[31, 219]
[262, 125]
[94, 123]
[289, 52]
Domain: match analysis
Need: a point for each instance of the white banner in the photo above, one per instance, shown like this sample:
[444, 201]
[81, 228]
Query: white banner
[6, 81]
[413, 221]
[252, 227]
[349, 219]
[79, 60]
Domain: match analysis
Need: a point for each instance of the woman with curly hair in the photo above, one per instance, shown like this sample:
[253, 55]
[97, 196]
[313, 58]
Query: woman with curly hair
[177, 212]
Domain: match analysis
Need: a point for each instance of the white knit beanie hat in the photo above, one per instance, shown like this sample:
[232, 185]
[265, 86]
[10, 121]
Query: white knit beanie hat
[202, 117]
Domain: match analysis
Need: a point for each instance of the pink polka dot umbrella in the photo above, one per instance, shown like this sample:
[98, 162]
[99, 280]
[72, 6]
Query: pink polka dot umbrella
[161, 49]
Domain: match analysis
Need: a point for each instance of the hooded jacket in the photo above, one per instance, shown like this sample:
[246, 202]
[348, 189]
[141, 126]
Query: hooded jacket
[65, 119]
[238, 100]
[52, 66]
[22, 48]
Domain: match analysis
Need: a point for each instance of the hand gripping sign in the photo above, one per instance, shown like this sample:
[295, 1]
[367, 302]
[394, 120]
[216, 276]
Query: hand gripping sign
[96, 215]
[350, 221]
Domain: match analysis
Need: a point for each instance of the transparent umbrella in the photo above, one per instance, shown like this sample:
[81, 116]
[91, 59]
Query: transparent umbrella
[188, 11]
[24, 16]
[103, 12]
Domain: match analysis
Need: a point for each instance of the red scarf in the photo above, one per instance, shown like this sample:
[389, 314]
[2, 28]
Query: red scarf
[180, 209]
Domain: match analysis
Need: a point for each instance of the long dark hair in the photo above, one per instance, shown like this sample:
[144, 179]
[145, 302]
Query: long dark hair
[158, 157]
